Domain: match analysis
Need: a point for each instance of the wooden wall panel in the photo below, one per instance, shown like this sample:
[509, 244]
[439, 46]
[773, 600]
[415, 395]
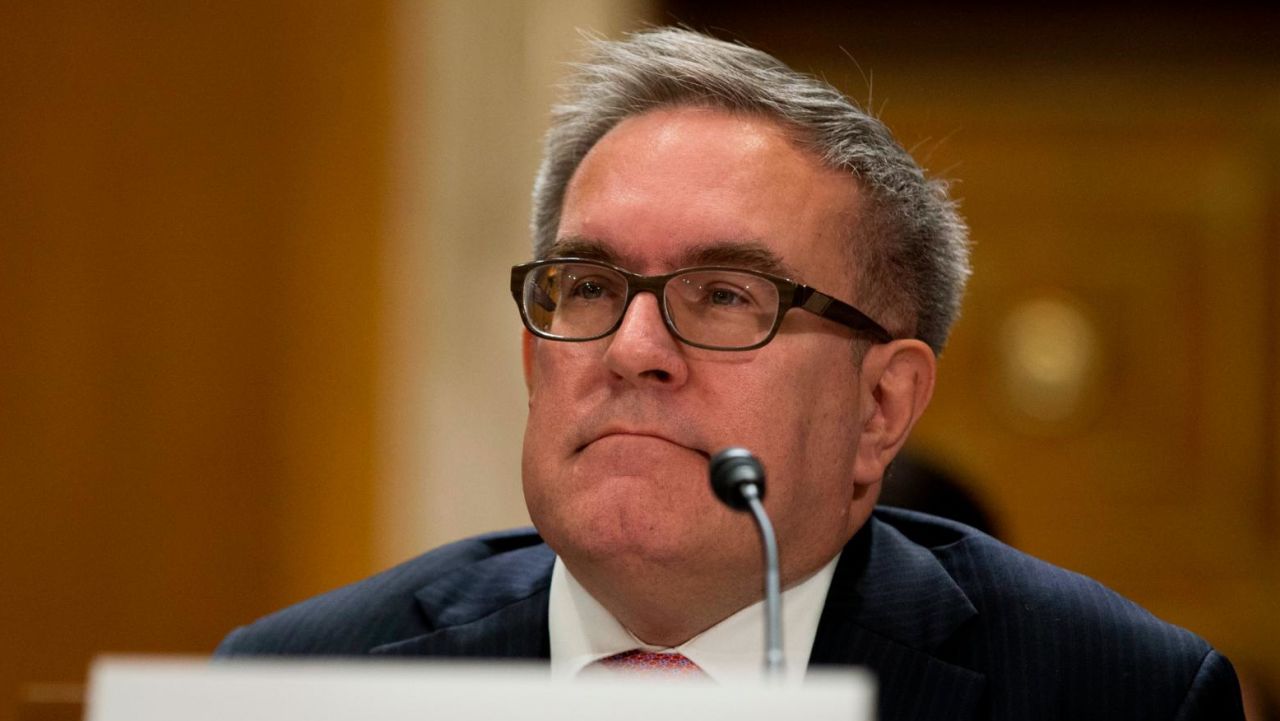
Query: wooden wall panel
[190, 212]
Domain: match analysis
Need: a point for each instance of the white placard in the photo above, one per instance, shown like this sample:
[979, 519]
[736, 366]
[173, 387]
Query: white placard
[166, 689]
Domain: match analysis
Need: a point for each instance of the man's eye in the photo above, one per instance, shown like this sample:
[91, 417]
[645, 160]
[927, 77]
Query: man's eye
[588, 290]
[727, 297]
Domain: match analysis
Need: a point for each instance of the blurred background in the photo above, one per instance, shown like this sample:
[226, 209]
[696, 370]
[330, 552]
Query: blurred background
[256, 341]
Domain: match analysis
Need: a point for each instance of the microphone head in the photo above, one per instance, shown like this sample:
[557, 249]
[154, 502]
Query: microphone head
[730, 470]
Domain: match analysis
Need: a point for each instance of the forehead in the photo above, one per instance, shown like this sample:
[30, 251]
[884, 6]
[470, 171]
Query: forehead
[674, 187]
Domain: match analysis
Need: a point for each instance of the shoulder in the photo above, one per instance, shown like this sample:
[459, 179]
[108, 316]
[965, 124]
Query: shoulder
[1001, 580]
[386, 608]
[1062, 637]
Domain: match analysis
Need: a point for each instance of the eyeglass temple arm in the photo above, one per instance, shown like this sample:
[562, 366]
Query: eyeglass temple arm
[825, 306]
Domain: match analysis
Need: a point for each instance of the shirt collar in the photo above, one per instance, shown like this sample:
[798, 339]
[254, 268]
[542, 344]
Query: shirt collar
[583, 631]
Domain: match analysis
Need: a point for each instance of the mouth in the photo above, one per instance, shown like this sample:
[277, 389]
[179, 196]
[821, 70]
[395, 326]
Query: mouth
[640, 434]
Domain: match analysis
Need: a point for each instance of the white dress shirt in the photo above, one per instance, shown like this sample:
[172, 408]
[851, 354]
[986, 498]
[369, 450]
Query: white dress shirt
[583, 631]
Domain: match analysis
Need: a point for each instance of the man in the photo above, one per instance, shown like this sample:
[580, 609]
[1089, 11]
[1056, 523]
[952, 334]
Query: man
[689, 187]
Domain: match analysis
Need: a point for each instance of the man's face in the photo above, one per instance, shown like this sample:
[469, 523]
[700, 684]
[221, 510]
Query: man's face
[620, 429]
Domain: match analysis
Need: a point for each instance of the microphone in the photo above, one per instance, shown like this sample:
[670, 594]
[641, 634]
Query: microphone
[737, 478]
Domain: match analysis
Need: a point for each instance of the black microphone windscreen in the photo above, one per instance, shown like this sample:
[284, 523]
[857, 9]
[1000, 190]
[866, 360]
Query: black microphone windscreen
[731, 469]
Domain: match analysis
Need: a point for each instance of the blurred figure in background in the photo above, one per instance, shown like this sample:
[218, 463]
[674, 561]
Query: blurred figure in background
[914, 481]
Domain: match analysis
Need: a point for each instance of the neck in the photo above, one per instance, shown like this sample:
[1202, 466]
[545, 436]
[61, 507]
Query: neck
[668, 613]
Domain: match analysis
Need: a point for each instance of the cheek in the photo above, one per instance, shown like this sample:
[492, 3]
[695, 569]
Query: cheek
[560, 377]
[809, 447]
[552, 397]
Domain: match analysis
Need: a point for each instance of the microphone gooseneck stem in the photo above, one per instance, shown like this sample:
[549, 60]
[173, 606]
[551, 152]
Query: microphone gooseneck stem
[772, 584]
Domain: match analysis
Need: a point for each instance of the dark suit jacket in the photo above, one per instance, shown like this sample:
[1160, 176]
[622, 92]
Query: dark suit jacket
[955, 624]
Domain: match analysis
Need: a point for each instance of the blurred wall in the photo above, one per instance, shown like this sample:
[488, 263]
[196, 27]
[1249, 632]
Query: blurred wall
[190, 214]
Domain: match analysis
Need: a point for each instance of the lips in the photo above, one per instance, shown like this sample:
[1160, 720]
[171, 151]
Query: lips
[642, 433]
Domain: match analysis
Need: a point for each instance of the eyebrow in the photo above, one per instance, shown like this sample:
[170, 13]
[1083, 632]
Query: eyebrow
[579, 247]
[747, 255]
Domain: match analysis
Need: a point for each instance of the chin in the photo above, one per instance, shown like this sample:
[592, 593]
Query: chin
[626, 534]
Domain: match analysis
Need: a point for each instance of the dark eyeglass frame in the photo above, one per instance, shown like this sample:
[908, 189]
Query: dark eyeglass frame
[790, 295]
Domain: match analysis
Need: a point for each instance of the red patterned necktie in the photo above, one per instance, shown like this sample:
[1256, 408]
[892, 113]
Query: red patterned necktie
[654, 664]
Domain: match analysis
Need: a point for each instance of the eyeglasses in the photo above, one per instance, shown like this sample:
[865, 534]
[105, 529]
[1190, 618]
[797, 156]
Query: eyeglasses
[573, 299]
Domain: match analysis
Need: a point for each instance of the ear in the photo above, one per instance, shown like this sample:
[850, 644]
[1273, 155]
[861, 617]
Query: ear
[526, 355]
[896, 385]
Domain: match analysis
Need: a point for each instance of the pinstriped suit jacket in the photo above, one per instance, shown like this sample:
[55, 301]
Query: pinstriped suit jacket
[955, 624]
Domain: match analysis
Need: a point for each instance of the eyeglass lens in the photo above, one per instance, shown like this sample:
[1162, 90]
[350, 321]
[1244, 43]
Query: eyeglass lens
[716, 308]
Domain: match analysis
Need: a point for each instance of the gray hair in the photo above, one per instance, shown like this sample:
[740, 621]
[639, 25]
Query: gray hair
[915, 261]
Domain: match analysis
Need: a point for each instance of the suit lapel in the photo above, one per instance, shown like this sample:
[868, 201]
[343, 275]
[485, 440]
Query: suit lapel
[496, 608]
[890, 608]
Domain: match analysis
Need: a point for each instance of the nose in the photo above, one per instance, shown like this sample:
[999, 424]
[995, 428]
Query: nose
[642, 351]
